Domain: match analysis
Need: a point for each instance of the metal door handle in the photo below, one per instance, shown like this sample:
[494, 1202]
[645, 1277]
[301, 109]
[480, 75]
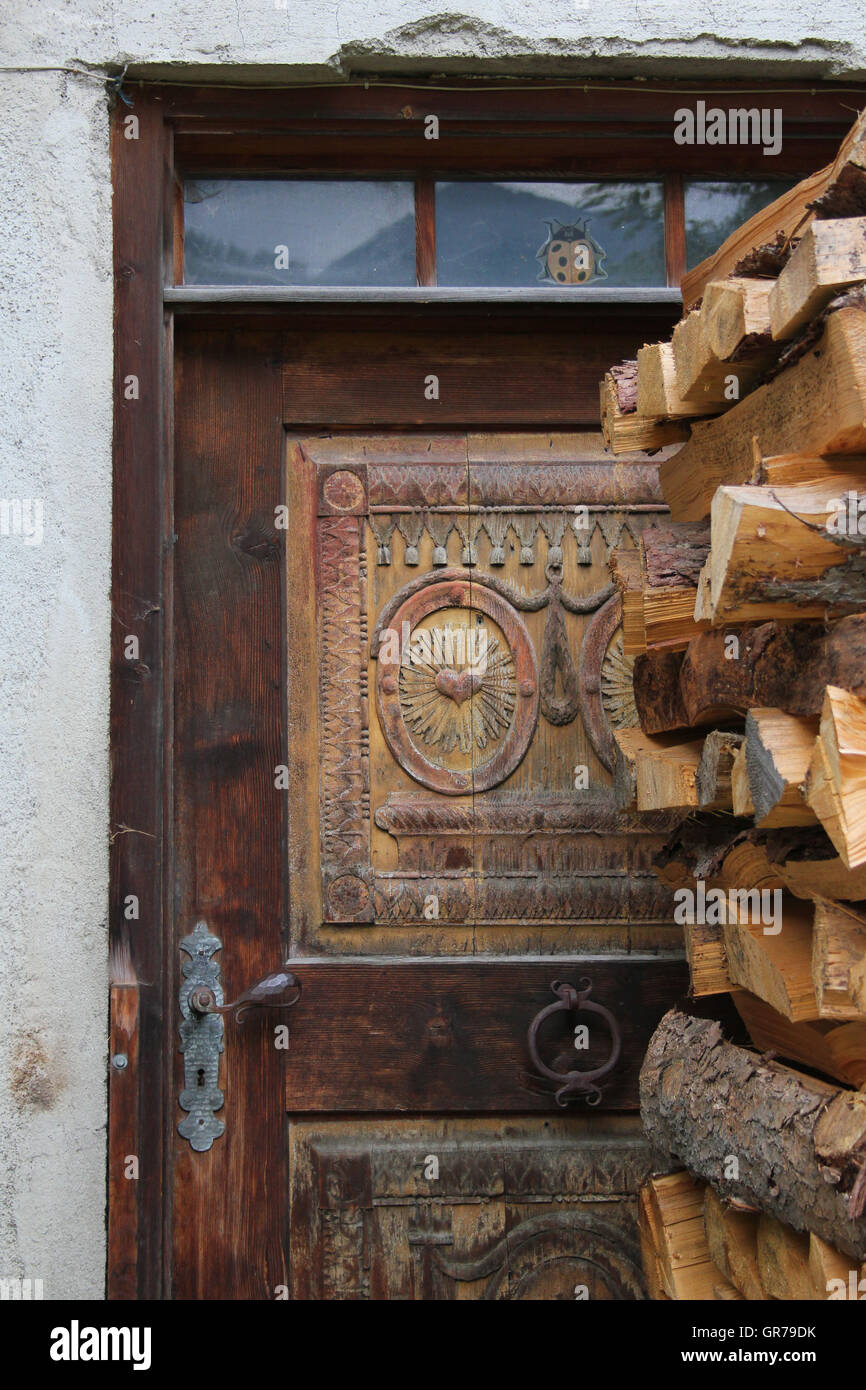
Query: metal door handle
[575, 1082]
[267, 993]
[202, 1029]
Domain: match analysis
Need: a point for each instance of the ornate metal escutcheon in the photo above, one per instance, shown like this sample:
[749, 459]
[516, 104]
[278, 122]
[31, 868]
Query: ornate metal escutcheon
[574, 1081]
[202, 1004]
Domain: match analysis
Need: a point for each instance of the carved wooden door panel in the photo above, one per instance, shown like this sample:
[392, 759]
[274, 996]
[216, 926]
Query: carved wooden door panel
[457, 870]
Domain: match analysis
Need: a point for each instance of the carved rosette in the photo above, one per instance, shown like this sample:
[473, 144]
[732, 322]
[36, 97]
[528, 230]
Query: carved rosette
[457, 687]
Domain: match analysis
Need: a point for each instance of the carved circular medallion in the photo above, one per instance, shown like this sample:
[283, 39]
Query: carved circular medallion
[343, 490]
[457, 687]
[348, 895]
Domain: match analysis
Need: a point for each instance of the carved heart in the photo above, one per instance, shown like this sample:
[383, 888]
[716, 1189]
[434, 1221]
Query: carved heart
[458, 687]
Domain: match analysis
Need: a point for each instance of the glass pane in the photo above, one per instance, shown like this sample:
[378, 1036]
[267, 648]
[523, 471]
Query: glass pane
[714, 210]
[299, 232]
[555, 234]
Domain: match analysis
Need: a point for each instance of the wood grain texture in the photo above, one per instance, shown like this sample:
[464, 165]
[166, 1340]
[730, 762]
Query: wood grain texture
[488, 372]
[230, 819]
[140, 607]
[391, 1036]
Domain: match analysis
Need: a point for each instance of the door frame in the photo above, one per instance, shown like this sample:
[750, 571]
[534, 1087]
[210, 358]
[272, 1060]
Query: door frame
[620, 129]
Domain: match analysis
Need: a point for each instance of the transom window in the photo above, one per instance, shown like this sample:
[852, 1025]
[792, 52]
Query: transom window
[483, 233]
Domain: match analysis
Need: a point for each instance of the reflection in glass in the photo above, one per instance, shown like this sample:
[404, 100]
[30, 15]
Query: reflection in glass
[714, 210]
[299, 232]
[490, 233]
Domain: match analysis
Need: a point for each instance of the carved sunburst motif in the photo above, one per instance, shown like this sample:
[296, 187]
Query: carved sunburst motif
[617, 686]
[456, 693]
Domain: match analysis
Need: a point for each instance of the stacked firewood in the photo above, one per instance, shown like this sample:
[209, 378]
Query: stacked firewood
[746, 619]
[696, 1246]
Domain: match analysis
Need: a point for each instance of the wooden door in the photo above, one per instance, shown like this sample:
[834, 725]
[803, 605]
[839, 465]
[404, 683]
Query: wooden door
[398, 667]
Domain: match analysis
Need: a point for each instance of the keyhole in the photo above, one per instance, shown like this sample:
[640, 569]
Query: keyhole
[199, 1081]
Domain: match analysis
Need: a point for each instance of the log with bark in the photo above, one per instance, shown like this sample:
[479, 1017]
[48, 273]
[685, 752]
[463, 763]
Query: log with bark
[757, 1131]
[733, 669]
[625, 431]
[774, 556]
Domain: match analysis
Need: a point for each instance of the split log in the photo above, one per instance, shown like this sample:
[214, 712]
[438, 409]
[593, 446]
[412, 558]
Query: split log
[795, 470]
[772, 664]
[657, 696]
[728, 340]
[732, 1241]
[846, 1043]
[665, 772]
[839, 190]
[708, 964]
[826, 1265]
[773, 557]
[835, 785]
[625, 432]
[735, 320]
[746, 866]
[696, 847]
[713, 777]
[838, 945]
[675, 1227]
[671, 560]
[817, 405]
[775, 968]
[624, 378]
[701, 377]
[830, 257]
[778, 751]
[799, 1143]
[657, 394]
[626, 572]
[836, 1049]
[741, 796]
[807, 863]
[657, 586]
[783, 1259]
[649, 1236]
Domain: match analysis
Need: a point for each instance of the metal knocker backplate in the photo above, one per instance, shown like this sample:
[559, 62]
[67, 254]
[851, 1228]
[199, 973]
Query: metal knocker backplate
[574, 1082]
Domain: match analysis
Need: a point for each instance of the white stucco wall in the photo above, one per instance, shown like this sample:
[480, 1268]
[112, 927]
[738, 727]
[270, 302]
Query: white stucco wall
[55, 446]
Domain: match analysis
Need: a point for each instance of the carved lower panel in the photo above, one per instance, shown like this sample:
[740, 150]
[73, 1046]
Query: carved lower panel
[343, 736]
[467, 1210]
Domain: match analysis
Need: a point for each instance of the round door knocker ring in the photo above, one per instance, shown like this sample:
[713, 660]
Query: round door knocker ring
[575, 1082]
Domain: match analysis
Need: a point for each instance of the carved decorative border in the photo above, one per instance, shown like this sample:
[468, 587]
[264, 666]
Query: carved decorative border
[344, 739]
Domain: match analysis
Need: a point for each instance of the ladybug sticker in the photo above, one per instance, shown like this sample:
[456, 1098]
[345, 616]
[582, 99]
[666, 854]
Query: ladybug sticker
[570, 256]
